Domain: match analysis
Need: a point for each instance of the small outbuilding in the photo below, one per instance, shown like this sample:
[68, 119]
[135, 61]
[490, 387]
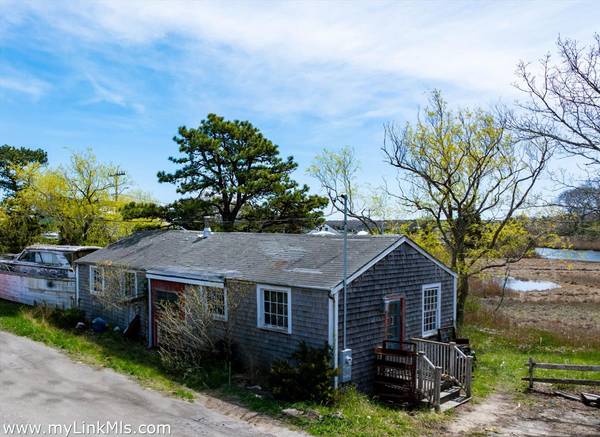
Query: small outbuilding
[292, 290]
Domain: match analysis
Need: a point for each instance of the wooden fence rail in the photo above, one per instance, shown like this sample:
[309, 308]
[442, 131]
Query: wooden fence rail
[532, 365]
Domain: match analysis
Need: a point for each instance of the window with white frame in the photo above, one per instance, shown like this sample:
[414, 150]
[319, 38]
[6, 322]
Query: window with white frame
[431, 308]
[129, 284]
[217, 298]
[96, 279]
[274, 308]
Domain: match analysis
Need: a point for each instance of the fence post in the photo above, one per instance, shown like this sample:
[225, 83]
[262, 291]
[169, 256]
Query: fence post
[452, 359]
[531, 365]
[437, 388]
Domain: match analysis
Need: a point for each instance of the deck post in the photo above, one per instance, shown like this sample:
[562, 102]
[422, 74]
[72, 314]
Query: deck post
[437, 387]
[452, 359]
[419, 382]
[468, 375]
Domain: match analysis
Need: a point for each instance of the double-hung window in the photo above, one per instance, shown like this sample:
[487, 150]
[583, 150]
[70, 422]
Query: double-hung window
[431, 308]
[129, 284]
[217, 299]
[96, 279]
[274, 308]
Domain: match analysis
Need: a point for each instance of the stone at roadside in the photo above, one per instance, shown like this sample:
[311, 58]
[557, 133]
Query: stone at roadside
[313, 415]
[337, 415]
[292, 412]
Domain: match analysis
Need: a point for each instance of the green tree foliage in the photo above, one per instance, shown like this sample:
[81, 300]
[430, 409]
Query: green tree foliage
[465, 172]
[20, 223]
[231, 167]
[78, 200]
[11, 160]
[187, 213]
[337, 171]
[293, 210]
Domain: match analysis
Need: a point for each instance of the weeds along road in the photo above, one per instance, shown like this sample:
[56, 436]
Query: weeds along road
[41, 386]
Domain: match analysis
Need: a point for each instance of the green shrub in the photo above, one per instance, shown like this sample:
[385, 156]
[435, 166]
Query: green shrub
[306, 376]
[66, 319]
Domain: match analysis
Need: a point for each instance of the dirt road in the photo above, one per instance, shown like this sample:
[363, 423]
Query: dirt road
[41, 386]
[510, 415]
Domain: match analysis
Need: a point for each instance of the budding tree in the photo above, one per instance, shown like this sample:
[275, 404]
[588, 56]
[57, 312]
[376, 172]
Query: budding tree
[465, 172]
[336, 171]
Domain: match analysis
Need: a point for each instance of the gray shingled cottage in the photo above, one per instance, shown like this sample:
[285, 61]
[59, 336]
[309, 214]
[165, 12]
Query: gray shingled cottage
[294, 289]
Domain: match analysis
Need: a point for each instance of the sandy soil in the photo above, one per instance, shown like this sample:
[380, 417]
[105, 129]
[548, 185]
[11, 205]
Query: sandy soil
[540, 414]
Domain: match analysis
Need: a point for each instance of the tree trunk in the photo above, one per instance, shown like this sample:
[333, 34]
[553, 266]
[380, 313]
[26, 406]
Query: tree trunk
[228, 222]
[462, 291]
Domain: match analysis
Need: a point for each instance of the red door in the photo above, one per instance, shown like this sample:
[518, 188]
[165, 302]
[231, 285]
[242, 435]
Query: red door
[162, 291]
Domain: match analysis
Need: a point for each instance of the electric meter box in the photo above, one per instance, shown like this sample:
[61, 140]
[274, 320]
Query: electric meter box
[346, 365]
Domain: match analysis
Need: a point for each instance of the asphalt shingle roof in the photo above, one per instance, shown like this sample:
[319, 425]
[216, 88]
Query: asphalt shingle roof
[278, 259]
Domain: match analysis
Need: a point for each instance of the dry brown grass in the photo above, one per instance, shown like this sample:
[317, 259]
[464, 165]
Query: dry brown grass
[528, 335]
[487, 287]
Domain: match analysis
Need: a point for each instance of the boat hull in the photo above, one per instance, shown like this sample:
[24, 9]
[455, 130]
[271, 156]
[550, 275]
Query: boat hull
[34, 289]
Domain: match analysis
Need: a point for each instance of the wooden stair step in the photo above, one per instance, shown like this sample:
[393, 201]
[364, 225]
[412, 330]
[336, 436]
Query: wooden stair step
[449, 394]
[454, 403]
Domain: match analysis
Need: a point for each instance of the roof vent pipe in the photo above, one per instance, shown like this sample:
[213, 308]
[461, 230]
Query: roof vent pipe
[206, 232]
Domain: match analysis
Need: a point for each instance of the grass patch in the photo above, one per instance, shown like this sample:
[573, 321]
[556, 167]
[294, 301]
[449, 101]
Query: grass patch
[502, 350]
[106, 350]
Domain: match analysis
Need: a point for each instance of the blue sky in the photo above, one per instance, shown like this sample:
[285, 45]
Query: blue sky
[120, 77]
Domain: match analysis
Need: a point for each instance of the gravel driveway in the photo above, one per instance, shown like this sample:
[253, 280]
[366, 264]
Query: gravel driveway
[41, 386]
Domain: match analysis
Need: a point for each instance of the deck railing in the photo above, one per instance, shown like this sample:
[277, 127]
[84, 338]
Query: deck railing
[454, 363]
[396, 371]
[429, 380]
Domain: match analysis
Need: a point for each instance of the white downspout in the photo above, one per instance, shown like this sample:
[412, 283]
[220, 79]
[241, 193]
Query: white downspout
[150, 321]
[454, 292]
[77, 285]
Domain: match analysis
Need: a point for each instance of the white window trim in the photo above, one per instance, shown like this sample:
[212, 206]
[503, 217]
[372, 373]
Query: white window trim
[136, 291]
[92, 279]
[438, 318]
[225, 316]
[260, 307]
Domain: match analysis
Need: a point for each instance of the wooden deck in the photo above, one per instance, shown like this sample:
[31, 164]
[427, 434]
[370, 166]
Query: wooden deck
[423, 371]
[396, 372]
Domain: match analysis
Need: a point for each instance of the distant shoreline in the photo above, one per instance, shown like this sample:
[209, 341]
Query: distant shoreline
[576, 243]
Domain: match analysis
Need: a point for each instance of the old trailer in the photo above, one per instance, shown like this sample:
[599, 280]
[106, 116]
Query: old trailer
[42, 275]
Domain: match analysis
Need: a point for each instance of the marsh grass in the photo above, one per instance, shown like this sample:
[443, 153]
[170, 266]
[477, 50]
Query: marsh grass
[503, 348]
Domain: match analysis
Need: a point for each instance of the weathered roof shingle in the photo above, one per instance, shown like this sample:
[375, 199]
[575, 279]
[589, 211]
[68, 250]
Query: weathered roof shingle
[278, 259]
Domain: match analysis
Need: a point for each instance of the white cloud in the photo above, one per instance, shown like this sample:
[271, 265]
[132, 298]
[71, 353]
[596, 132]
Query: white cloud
[112, 92]
[475, 45]
[32, 87]
[323, 73]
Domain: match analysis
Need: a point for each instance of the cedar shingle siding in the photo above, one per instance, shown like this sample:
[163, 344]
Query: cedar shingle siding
[115, 317]
[311, 266]
[403, 272]
[259, 346]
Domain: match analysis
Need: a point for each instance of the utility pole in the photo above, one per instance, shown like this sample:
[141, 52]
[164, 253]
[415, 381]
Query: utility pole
[346, 363]
[116, 175]
[345, 261]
